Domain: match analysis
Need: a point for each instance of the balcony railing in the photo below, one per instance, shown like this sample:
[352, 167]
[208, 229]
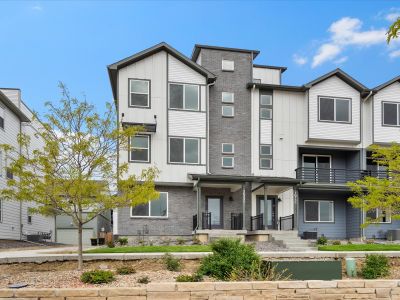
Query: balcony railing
[257, 222]
[286, 223]
[205, 220]
[236, 221]
[340, 176]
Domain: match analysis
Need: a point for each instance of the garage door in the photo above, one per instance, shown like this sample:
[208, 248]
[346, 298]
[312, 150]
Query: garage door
[70, 236]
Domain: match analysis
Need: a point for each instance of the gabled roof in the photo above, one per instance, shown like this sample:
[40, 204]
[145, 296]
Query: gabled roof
[342, 75]
[8, 103]
[386, 84]
[113, 68]
[198, 47]
[283, 69]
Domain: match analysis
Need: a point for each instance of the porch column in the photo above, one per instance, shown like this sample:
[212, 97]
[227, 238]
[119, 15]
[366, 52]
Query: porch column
[295, 207]
[244, 206]
[199, 215]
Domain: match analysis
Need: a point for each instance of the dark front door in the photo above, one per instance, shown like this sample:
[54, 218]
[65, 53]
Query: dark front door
[214, 206]
[268, 208]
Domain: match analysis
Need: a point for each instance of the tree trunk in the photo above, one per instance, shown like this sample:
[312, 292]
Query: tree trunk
[80, 248]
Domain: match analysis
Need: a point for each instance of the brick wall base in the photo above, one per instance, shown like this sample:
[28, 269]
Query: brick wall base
[285, 290]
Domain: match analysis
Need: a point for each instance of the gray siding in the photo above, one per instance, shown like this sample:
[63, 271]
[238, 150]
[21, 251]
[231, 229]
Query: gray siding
[340, 159]
[236, 130]
[181, 208]
[379, 230]
[353, 221]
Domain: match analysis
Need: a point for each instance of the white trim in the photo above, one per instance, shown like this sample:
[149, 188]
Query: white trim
[228, 167]
[224, 152]
[319, 215]
[149, 204]
[184, 154]
[388, 217]
[349, 101]
[227, 65]
[233, 111]
[397, 113]
[131, 148]
[115, 221]
[228, 93]
[184, 96]
[1, 210]
[148, 92]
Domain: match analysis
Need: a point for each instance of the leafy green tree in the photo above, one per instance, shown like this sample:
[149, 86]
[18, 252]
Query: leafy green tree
[76, 169]
[394, 31]
[382, 192]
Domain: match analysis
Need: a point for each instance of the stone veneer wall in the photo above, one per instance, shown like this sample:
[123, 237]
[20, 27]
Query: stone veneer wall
[318, 290]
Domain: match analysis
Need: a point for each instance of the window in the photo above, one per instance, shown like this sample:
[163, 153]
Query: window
[155, 208]
[29, 215]
[334, 110]
[184, 150]
[265, 106]
[227, 148]
[318, 211]
[2, 116]
[228, 65]
[139, 91]
[9, 173]
[391, 113]
[140, 148]
[378, 216]
[228, 111]
[184, 96]
[265, 156]
[228, 162]
[228, 97]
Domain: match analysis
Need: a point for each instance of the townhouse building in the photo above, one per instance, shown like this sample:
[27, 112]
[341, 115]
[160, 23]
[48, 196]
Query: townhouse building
[240, 152]
[16, 219]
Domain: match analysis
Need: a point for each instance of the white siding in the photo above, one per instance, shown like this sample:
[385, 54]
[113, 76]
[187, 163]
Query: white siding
[185, 123]
[266, 131]
[268, 76]
[180, 72]
[13, 94]
[385, 134]
[344, 132]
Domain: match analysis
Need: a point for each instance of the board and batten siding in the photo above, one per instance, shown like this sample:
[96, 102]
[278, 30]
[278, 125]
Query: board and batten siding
[385, 134]
[268, 76]
[341, 132]
[266, 131]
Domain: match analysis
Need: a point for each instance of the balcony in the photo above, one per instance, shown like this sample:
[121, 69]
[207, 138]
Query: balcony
[336, 176]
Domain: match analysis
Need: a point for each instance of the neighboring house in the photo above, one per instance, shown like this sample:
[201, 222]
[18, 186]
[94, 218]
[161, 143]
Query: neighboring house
[67, 232]
[238, 150]
[16, 220]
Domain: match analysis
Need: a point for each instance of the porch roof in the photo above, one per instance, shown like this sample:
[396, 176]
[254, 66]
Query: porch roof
[238, 178]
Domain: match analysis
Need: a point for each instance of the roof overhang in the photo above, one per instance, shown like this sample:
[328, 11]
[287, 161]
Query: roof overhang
[243, 179]
[9, 104]
[149, 127]
[279, 87]
[113, 68]
[197, 48]
[386, 84]
[282, 69]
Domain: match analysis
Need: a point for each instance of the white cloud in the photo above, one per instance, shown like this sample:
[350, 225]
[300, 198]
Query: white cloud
[344, 33]
[394, 54]
[37, 8]
[392, 16]
[341, 60]
[300, 60]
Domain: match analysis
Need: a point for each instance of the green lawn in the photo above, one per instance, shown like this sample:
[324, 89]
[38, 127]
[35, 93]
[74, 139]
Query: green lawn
[151, 249]
[360, 247]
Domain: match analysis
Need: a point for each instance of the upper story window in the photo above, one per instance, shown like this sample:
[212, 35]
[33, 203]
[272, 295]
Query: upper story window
[184, 96]
[228, 65]
[266, 107]
[319, 211]
[139, 93]
[140, 148]
[334, 110]
[265, 156]
[228, 111]
[228, 97]
[2, 116]
[157, 208]
[228, 162]
[228, 148]
[9, 174]
[391, 113]
[184, 150]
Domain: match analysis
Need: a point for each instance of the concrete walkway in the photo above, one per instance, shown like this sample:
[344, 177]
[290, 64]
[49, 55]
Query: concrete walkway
[67, 254]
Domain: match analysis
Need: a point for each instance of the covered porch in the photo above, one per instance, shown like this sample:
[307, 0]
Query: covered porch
[244, 206]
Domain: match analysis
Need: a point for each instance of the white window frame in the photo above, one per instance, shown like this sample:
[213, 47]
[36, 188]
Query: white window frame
[184, 147]
[148, 93]
[152, 217]
[267, 109]
[349, 100]
[228, 65]
[131, 148]
[266, 158]
[397, 112]
[270, 97]
[228, 167]
[184, 96]
[316, 159]
[319, 215]
[228, 116]
[224, 152]
[228, 93]
[388, 217]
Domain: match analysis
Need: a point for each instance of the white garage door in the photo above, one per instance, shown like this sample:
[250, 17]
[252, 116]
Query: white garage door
[70, 236]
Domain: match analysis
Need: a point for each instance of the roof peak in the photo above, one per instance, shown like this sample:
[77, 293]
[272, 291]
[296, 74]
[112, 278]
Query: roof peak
[197, 47]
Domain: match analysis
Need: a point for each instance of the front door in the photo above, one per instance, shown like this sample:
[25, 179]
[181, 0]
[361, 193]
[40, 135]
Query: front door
[317, 167]
[214, 206]
[268, 209]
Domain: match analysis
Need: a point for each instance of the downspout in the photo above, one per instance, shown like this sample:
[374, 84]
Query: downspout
[252, 140]
[208, 127]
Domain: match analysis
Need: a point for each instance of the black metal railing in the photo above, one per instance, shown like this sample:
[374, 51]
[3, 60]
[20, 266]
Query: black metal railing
[194, 222]
[257, 222]
[236, 221]
[286, 223]
[321, 175]
[206, 220]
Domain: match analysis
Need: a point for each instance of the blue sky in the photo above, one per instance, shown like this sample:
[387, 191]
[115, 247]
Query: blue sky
[44, 42]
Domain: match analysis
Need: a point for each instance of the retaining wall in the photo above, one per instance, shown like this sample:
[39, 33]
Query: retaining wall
[285, 290]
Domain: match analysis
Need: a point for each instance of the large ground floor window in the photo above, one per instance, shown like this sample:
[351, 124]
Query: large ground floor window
[319, 211]
[157, 208]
